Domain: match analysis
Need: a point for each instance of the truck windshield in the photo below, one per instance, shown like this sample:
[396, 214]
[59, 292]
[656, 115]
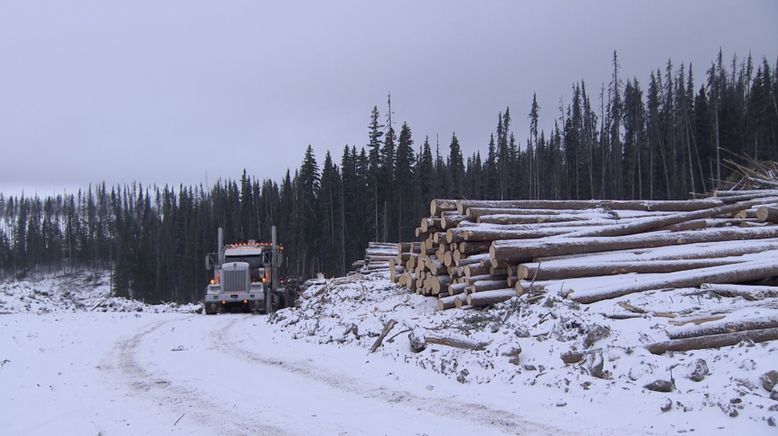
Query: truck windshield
[253, 261]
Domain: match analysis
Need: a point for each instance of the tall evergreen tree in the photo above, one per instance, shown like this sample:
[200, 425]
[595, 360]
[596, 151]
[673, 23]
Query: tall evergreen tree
[456, 167]
[405, 186]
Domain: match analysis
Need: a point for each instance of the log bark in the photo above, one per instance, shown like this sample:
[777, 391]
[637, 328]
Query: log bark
[472, 247]
[490, 297]
[688, 251]
[510, 252]
[486, 285]
[502, 271]
[738, 273]
[670, 205]
[451, 221]
[477, 258]
[721, 193]
[688, 225]
[477, 269]
[403, 257]
[714, 341]
[454, 341]
[766, 322]
[380, 258]
[447, 302]
[651, 223]
[374, 244]
[583, 268]
[476, 234]
[707, 223]
[475, 212]
[407, 247]
[387, 328]
[460, 234]
[535, 219]
[765, 198]
[484, 277]
[457, 288]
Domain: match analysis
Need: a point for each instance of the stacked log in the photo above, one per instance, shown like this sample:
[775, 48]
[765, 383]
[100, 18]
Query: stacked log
[454, 269]
[481, 252]
[378, 258]
[725, 238]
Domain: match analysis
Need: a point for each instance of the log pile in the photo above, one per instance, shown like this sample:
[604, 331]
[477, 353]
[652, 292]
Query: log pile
[378, 258]
[480, 252]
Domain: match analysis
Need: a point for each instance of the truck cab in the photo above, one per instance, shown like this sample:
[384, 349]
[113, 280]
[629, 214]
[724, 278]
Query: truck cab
[246, 278]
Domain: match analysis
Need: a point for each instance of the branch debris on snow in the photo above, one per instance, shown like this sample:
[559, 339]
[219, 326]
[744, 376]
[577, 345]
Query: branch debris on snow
[525, 344]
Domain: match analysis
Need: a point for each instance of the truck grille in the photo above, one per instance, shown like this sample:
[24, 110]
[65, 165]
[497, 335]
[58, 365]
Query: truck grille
[235, 280]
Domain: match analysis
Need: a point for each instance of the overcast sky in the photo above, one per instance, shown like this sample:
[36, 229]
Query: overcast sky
[169, 91]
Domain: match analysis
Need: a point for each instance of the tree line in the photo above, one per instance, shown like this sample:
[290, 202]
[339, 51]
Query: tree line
[662, 140]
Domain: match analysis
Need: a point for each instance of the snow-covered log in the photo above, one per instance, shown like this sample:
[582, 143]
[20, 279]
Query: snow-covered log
[668, 205]
[439, 205]
[738, 273]
[494, 234]
[453, 341]
[487, 285]
[489, 297]
[584, 268]
[714, 341]
[651, 223]
[534, 219]
[512, 252]
[446, 303]
[765, 322]
[749, 292]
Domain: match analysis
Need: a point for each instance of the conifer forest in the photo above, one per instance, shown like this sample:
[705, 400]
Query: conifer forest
[674, 132]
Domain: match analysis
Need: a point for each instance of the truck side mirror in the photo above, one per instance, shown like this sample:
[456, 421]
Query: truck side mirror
[208, 263]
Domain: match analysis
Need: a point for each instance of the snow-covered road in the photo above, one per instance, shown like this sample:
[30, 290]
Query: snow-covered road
[114, 373]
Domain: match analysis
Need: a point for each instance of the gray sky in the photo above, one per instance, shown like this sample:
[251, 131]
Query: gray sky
[169, 91]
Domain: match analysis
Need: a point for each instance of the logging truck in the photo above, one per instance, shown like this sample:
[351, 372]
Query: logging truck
[246, 278]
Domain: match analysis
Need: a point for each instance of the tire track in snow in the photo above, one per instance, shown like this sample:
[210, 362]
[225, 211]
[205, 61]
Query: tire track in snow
[479, 414]
[158, 388]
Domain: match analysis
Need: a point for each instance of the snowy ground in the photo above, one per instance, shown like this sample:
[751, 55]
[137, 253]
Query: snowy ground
[606, 387]
[70, 370]
[76, 291]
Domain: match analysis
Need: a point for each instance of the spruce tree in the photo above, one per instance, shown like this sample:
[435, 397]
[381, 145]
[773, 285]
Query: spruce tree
[405, 186]
[456, 167]
[425, 174]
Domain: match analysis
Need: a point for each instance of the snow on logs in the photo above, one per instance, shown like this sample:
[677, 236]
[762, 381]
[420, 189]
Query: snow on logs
[380, 257]
[481, 252]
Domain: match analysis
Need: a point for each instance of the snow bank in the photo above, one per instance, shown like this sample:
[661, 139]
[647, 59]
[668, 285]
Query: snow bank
[526, 340]
[73, 292]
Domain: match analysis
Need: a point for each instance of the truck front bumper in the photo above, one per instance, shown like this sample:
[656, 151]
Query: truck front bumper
[226, 301]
